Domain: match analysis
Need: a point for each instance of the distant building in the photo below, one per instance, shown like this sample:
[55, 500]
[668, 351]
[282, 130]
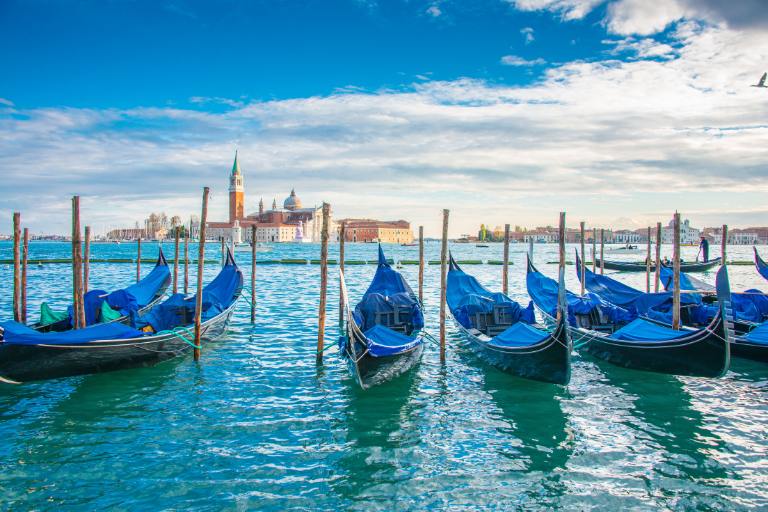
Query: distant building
[303, 224]
[749, 236]
[688, 234]
[625, 236]
[369, 230]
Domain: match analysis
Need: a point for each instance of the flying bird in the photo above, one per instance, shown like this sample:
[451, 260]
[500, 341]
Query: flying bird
[761, 83]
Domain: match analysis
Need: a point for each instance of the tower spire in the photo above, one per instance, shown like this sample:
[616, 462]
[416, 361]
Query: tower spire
[236, 166]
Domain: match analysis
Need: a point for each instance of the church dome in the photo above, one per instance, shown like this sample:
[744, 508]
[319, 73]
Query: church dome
[292, 202]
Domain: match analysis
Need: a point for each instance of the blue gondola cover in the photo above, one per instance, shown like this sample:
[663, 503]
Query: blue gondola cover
[645, 331]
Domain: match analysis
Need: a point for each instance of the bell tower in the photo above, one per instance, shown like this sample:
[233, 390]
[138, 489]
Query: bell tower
[236, 193]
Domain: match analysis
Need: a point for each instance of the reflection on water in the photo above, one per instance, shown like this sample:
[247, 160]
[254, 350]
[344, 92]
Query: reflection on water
[256, 424]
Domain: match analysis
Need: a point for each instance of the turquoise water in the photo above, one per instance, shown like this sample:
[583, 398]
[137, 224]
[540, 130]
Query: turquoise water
[257, 424]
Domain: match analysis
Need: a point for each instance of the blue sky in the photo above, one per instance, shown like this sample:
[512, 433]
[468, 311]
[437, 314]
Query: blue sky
[125, 54]
[502, 110]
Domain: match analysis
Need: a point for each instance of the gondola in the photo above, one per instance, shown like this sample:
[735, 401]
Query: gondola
[383, 335]
[611, 333]
[749, 309]
[639, 266]
[504, 334]
[164, 332]
[762, 266]
[117, 306]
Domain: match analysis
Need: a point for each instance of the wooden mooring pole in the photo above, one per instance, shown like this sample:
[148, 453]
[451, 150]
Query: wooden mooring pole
[342, 237]
[87, 260]
[253, 273]
[658, 258]
[223, 251]
[200, 268]
[724, 242]
[24, 266]
[421, 265]
[186, 259]
[176, 235]
[505, 266]
[676, 281]
[138, 260]
[443, 282]
[77, 286]
[602, 250]
[16, 266]
[561, 252]
[583, 266]
[594, 250]
[323, 282]
[648, 264]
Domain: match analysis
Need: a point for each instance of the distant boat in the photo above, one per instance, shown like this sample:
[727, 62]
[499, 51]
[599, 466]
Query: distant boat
[627, 249]
[245, 247]
[481, 245]
[761, 83]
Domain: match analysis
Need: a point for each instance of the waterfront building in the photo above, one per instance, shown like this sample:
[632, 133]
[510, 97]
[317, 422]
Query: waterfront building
[304, 224]
[625, 236]
[688, 234]
[370, 230]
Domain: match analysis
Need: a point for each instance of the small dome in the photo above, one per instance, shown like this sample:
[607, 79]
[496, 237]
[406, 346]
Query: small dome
[292, 202]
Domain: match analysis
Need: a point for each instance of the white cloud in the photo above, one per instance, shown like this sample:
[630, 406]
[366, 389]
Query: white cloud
[645, 17]
[514, 60]
[594, 138]
[434, 11]
[527, 33]
[641, 48]
[568, 9]
[7, 103]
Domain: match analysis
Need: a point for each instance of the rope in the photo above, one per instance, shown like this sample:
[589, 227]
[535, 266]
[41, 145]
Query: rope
[426, 335]
[175, 332]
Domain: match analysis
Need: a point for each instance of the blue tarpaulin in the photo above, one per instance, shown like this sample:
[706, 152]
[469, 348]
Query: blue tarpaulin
[643, 330]
[386, 342]
[543, 290]
[388, 297]
[758, 335]
[20, 334]
[217, 295]
[178, 310]
[520, 335]
[466, 297]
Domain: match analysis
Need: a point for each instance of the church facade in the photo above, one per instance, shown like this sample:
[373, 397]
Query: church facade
[291, 223]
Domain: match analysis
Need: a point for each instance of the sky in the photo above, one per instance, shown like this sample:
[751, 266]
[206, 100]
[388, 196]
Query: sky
[618, 112]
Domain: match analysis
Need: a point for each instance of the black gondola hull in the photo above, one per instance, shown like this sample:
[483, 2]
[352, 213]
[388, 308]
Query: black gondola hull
[705, 353]
[746, 350]
[548, 361]
[371, 371]
[23, 363]
[628, 266]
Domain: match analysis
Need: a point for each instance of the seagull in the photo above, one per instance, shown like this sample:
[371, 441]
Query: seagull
[761, 83]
